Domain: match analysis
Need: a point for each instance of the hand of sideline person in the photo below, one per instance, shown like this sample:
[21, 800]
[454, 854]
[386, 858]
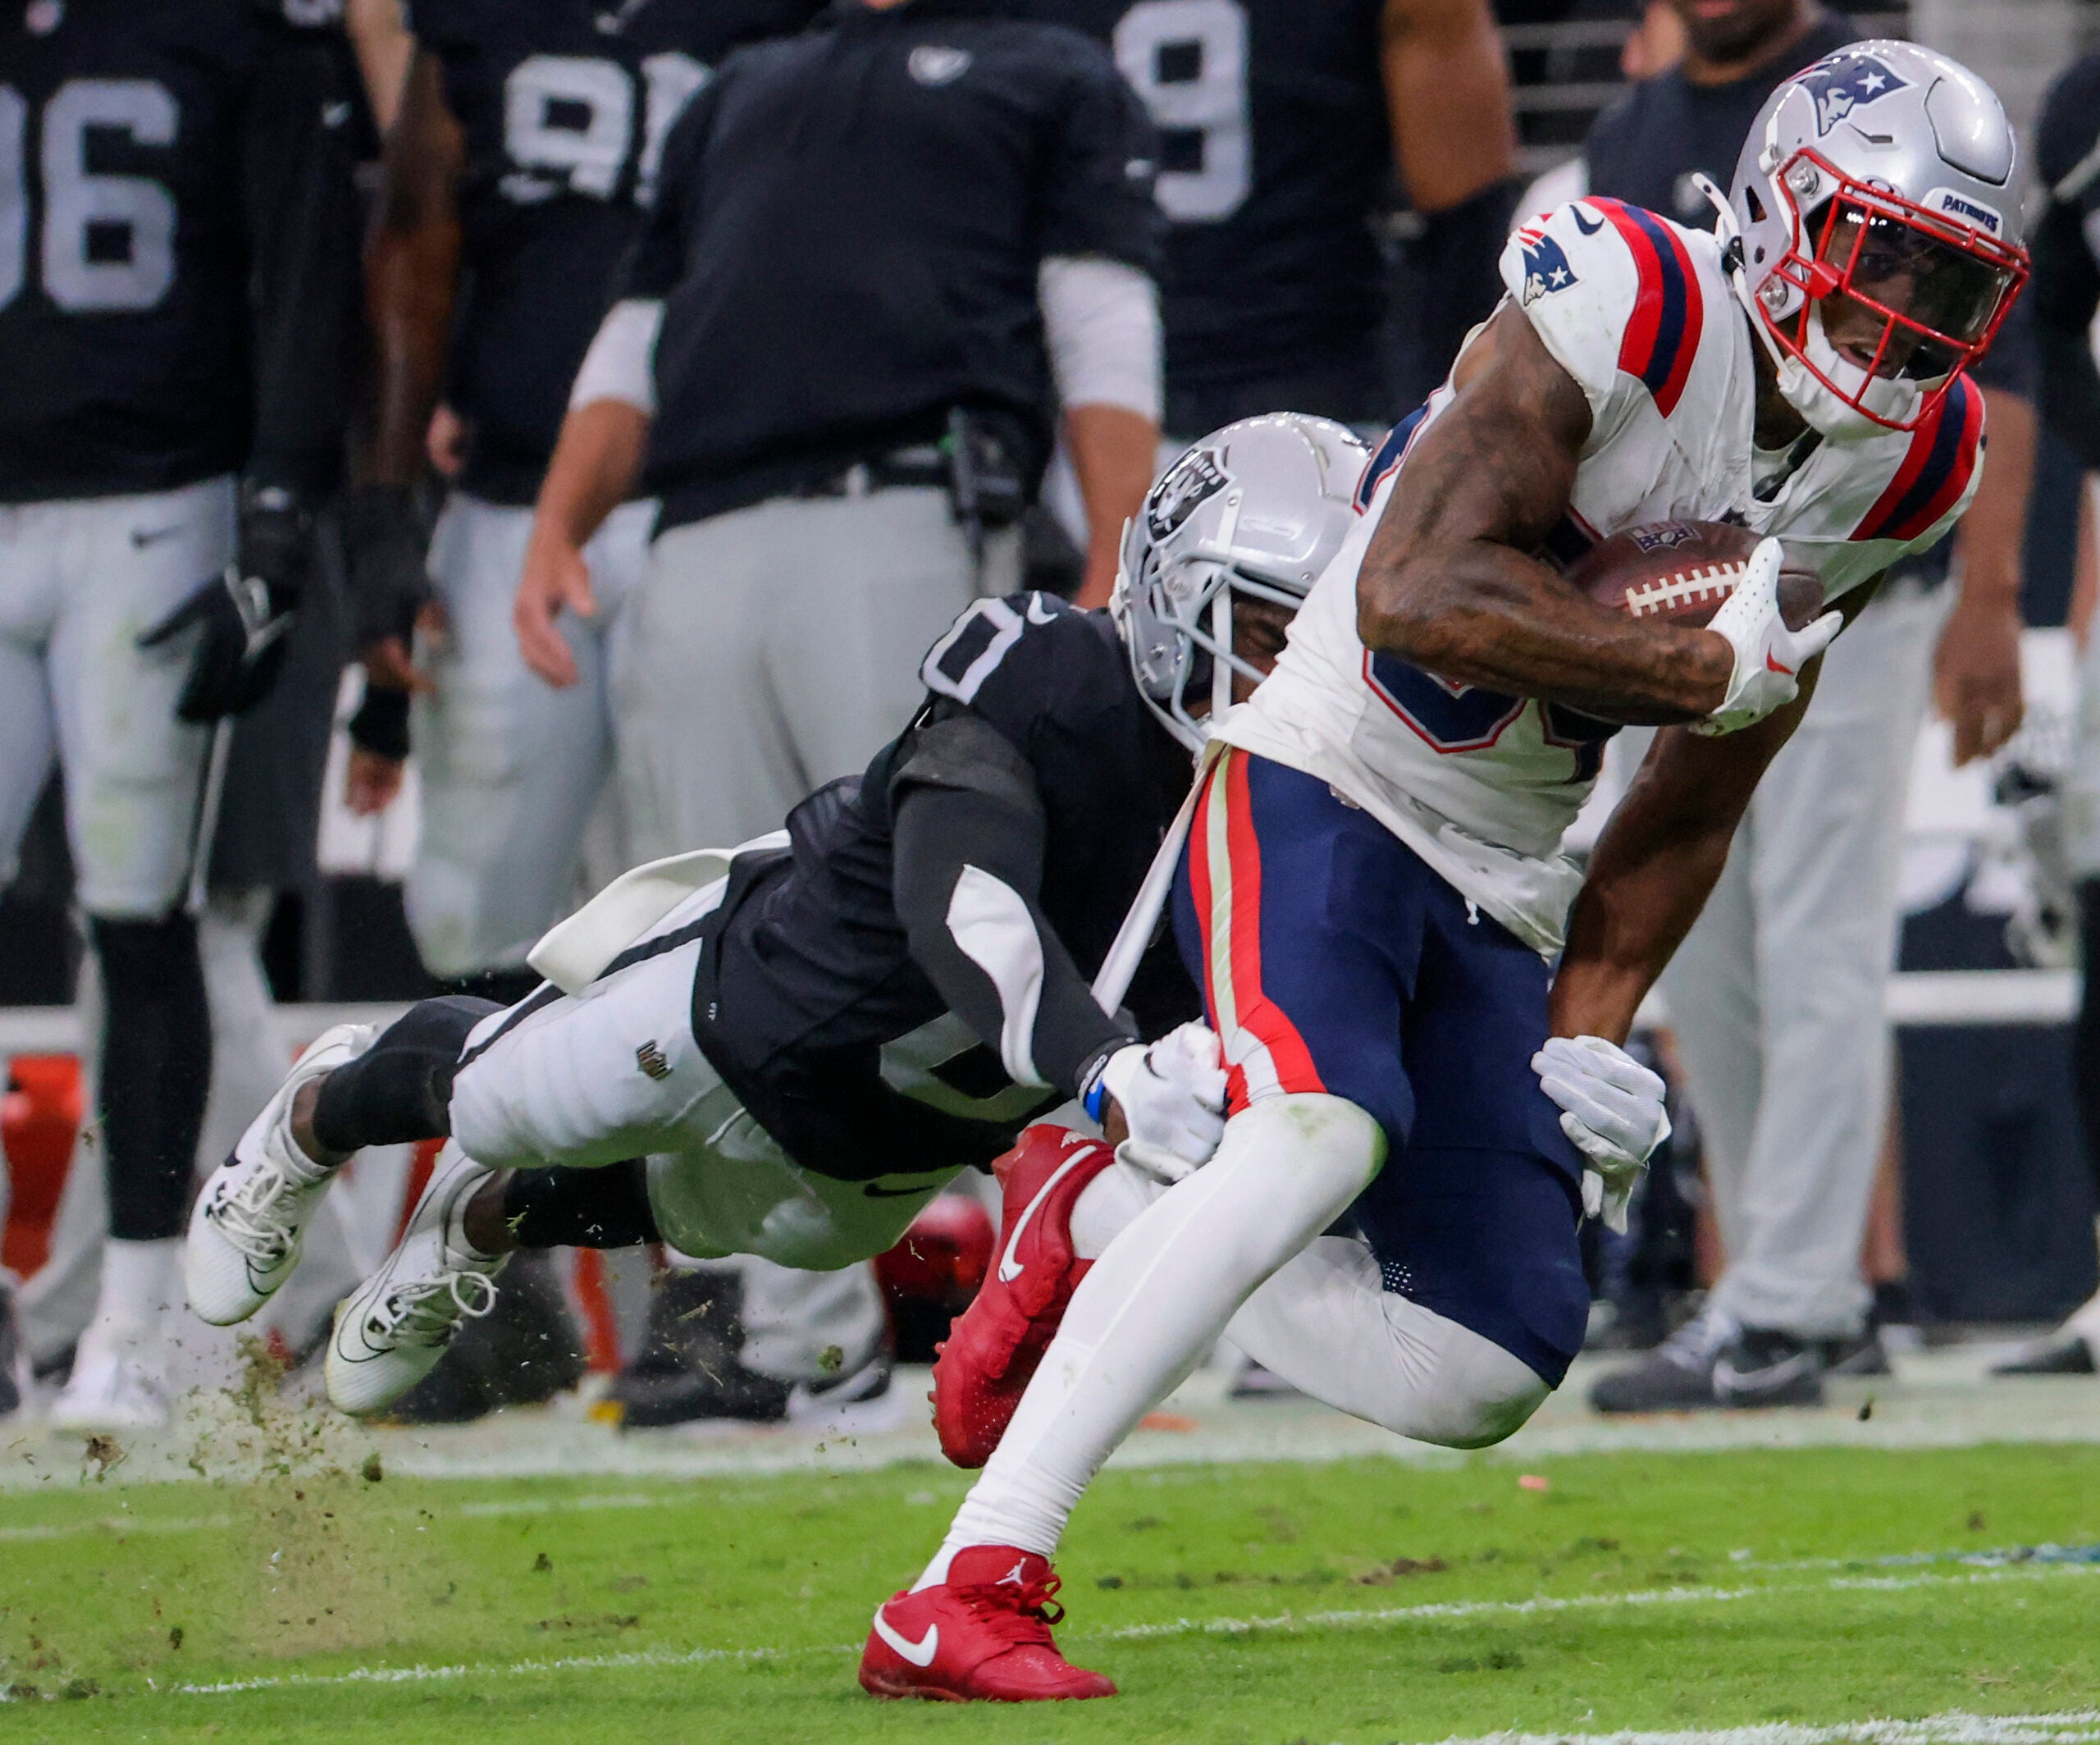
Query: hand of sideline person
[1976, 678]
[556, 578]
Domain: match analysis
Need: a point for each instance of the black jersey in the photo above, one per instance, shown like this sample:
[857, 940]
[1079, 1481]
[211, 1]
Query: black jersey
[2066, 288]
[146, 148]
[848, 237]
[1274, 155]
[810, 1003]
[565, 107]
[1644, 148]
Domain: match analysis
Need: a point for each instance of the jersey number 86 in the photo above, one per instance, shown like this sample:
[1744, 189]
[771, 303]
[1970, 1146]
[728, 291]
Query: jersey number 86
[108, 241]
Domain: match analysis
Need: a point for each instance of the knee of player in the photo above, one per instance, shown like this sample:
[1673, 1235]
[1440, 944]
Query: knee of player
[1327, 1145]
[1482, 1394]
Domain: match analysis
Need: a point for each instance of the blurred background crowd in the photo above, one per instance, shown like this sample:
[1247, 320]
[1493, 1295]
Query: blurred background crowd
[891, 378]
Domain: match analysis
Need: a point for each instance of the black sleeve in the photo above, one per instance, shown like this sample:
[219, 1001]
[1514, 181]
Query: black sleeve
[1098, 197]
[2065, 288]
[968, 834]
[657, 263]
[306, 118]
[1456, 261]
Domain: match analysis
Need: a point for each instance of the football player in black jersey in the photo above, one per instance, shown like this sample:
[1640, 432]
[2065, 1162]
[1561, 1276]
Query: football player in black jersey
[1279, 121]
[524, 153]
[177, 264]
[528, 147]
[807, 1039]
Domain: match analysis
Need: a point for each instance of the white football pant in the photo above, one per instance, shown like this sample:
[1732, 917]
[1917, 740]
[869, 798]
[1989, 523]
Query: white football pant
[511, 767]
[79, 583]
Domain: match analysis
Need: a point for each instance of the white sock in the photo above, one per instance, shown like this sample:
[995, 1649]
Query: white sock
[138, 1285]
[1156, 1299]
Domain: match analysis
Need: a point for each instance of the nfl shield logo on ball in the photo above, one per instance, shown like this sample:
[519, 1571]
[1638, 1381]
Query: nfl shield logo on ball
[934, 66]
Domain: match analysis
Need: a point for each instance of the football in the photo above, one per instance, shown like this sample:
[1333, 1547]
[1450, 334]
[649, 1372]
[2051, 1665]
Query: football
[1681, 571]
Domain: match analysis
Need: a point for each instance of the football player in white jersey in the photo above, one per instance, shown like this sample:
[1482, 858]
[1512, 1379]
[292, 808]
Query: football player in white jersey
[1374, 890]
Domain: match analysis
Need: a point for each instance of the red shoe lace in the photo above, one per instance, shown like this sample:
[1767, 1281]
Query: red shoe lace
[1018, 1612]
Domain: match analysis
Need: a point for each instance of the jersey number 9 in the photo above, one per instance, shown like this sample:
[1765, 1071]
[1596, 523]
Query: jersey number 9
[108, 241]
[1187, 59]
[569, 122]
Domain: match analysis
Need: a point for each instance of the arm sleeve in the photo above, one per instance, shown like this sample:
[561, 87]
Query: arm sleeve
[621, 364]
[1098, 197]
[304, 119]
[1100, 319]
[969, 839]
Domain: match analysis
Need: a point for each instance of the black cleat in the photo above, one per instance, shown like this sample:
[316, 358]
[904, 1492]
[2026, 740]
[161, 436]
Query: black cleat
[1864, 1353]
[1760, 1367]
[2060, 1354]
[1677, 1376]
[689, 1369]
[14, 1365]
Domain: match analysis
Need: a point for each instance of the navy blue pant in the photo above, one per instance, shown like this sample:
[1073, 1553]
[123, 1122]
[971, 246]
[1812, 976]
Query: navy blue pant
[1332, 959]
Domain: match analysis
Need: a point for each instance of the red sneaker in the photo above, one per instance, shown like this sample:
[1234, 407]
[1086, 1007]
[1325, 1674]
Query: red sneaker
[983, 1636]
[983, 1369]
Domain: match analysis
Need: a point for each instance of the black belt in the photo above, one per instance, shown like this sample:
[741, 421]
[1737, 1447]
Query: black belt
[901, 467]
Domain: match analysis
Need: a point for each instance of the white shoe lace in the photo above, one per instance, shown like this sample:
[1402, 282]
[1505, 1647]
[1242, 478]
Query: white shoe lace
[426, 1311]
[249, 1218]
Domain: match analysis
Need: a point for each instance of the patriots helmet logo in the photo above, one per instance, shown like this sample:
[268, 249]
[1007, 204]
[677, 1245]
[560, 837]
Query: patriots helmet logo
[1545, 265]
[1846, 82]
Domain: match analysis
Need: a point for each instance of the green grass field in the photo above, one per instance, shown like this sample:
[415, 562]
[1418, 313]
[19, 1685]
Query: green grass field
[1362, 1600]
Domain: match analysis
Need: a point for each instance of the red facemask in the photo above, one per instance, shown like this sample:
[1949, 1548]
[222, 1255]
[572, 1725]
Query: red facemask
[1901, 291]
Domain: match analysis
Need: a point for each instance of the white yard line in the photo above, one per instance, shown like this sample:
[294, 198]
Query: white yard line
[1954, 1728]
[1367, 1618]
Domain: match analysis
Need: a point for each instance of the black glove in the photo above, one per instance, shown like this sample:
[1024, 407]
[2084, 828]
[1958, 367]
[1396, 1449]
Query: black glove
[242, 616]
[387, 540]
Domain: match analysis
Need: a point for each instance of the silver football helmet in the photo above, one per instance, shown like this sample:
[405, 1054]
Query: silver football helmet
[1257, 509]
[1876, 192]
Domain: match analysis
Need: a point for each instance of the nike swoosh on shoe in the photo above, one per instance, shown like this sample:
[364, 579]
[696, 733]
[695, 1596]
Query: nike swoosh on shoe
[919, 1653]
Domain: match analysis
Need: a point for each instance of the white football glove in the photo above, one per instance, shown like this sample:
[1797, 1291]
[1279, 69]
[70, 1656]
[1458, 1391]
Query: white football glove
[1172, 1097]
[1612, 1110]
[1768, 655]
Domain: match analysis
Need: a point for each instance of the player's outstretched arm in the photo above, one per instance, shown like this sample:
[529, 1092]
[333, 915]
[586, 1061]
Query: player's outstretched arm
[1655, 864]
[1448, 584]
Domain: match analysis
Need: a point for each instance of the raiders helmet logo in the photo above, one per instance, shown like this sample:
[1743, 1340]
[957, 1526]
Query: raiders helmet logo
[1846, 82]
[1193, 479]
[931, 65]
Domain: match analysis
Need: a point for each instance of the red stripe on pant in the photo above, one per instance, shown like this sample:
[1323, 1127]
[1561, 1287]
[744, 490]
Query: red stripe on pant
[1254, 1011]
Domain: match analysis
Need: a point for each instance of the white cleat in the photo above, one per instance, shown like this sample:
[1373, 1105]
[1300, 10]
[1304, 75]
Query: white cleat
[115, 1386]
[390, 1331]
[247, 1226]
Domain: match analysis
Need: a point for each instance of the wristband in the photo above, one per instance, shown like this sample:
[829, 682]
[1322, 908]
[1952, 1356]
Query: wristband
[381, 725]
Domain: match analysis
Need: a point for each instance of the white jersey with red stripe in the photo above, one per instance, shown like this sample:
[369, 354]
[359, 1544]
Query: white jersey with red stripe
[1639, 311]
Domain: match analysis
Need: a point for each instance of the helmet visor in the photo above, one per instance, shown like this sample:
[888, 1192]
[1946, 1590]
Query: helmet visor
[1907, 298]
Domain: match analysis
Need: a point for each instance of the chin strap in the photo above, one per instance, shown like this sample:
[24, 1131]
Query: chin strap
[1730, 235]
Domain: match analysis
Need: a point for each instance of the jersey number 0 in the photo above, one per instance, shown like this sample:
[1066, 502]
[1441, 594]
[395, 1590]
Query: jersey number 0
[108, 241]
